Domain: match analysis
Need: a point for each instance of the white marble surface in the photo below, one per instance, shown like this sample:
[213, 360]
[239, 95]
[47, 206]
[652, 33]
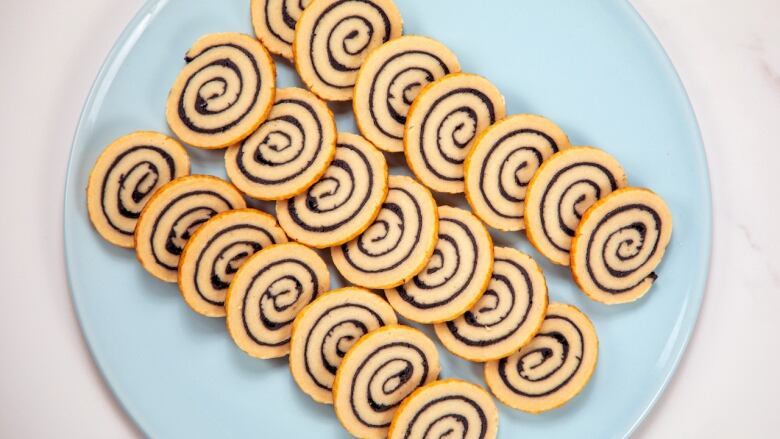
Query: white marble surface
[727, 53]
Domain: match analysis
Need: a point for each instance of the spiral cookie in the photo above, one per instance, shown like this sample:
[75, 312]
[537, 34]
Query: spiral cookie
[344, 202]
[399, 242]
[377, 373]
[446, 409]
[223, 93]
[289, 151]
[125, 176]
[390, 79]
[443, 123]
[506, 316]
[274, 23]
[619, 242]
[563, 188]
[553, 368]
[172, 215]
[333, 38]
[456, 275]
[267, 293]
[501, 163]
[216, 251]
[324, 331]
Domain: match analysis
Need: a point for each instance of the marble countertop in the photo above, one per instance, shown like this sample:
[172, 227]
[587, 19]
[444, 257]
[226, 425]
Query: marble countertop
[727, 53]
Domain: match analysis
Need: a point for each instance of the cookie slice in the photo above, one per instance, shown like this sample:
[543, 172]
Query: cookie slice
[288, 152]
[343, 202]
[619, 243]
[274, 23]
[560, 192]
[456, 275]
[398, 244]
[124, 177]
[390, 79]
[325, 330]
[442, 124]
[223, 93]
[173, 214]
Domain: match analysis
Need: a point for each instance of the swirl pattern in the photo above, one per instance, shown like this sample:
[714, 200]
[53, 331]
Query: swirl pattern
[446, 409]
[125, 176]
[380, 370]
[390, 79]
[560, 192]
[288, 152]
[506, 317]
[326, 329]
[268, 292]
[173, 214]
[333, 38]
[501, 163]
[553, 368]
[443, 123]
[216, 251]
[456, 275]
[223, 93]
[343, 202]
[619, 243]
[274, 23]
[398, 244]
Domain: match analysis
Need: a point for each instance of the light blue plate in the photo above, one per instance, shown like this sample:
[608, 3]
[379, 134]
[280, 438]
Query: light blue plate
[594, 67]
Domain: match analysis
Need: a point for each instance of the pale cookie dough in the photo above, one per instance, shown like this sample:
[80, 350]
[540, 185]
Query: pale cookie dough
[448, 408]
[223, 93]
[324, 331]
[216, 251]
[274, 23]
[378, 372]
[506, 317]
[125, 176]
[501, 163]
[619, 243]
[390, 79]
[333, 38]
[553, 368]
[398, 244]
[345, 200]
[443, 123]
[560, 192]
[456, 275]
[288, 152]
[268, 292]
[173, 214]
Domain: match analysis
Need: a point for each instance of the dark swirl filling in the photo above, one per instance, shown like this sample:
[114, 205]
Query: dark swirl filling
[442, 426]
[287, 18]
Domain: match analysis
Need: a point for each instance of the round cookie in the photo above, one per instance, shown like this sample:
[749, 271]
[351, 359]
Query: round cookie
[268, 292]
[274, 23]
[553, 368]
[124, 177]
[223, 93]
[324, 331]
[378, 372]
[172, 215]
[345, 200]
[506, 317]
[449, 408]
[288, 152]
[563, 188]
[442, 124]
[333, 38]
[501, 163]
[456, 275]
[398, 244]
[390, 79]
[215, 252]
[619, 243]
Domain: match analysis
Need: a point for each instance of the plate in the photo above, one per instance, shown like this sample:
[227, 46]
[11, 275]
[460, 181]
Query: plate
[593, 67]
